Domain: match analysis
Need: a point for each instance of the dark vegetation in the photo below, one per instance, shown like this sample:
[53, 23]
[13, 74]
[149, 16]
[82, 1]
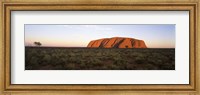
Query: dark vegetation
[55, 58]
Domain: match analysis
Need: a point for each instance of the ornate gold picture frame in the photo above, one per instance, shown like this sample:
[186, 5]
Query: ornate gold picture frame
[7, 7]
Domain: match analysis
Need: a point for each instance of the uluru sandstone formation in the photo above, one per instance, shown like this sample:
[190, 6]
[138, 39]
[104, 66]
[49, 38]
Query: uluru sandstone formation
[117, 42]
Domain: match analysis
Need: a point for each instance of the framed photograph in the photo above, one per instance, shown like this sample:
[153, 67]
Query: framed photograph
[99, 46]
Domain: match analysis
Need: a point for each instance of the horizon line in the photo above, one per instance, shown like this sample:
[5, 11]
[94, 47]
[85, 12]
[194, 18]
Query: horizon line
[84, 47]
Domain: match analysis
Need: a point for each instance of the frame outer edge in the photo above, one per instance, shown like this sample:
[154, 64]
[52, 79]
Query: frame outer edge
[7, 45]
[1, 48]
[197, 35]
[198, 50]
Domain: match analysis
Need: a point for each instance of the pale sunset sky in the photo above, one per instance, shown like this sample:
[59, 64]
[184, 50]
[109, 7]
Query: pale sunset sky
[154, 35]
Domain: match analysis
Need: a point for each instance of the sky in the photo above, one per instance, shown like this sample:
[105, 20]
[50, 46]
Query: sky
[57, 35]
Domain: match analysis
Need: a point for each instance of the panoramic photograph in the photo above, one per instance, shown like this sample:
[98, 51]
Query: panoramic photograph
[99, 46]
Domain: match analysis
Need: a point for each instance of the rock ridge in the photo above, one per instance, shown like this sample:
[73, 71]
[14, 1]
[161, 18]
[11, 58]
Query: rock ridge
[117, 42]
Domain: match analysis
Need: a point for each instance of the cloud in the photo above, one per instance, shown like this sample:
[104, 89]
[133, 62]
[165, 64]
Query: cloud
[90, 26]
[97, 27]
[108, 28]
[67, 26]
